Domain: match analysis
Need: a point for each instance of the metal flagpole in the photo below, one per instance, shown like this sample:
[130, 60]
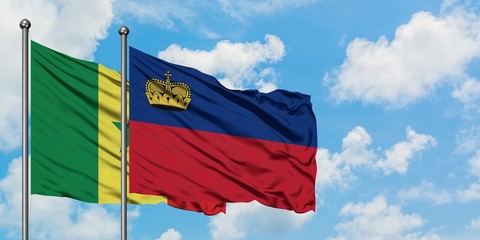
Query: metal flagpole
[123, 31]
[25, 26]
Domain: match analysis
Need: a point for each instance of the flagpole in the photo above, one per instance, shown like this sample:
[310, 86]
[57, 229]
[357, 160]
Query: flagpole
[25, 26]
[123, 31]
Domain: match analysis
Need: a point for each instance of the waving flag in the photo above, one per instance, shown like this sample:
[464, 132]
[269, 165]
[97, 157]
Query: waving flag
[193, 139]
[75, 135]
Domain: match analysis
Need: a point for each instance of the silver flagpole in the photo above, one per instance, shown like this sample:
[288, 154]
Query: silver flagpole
[123, 31]
[25, 26]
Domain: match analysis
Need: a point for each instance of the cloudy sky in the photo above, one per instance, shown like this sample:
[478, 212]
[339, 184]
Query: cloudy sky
[395, 88]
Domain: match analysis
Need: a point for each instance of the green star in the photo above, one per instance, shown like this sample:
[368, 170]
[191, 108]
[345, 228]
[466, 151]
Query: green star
[119, 126]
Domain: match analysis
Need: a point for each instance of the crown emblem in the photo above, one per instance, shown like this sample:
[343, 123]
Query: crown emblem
[166, 94]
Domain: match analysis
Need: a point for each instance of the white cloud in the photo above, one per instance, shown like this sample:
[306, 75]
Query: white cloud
[73, 27]
[468, 140]
[420, 236]
[52, 217]
[331, 171]
[398, 157]
[337, 169]
[474, 163]
[471, 231]
[164, 13]
[11, 196]
[448, 5]
[134, 213]
[425, 191]
[472, 193]
[468, 94]
[473, 226]
[411, 66]
[170, 234]
[71, 221]
[239, 71]
[355, 150]
[244, 9]
[243, 219]
[69, 26]
[169, 14]
[377, 220]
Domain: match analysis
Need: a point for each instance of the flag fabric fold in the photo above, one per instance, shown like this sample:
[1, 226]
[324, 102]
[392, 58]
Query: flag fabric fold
[75, 149]
[193, 139]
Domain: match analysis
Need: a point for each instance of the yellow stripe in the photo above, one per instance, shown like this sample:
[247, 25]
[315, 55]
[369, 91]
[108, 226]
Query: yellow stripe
[109, 138]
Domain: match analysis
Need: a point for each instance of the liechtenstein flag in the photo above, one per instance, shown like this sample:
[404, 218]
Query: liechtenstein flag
[193, 140]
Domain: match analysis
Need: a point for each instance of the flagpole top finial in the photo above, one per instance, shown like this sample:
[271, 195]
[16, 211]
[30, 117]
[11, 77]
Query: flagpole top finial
[123, 30]
[25, 24]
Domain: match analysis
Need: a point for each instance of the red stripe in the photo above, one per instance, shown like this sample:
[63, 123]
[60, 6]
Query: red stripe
[199, 166]
[208, 208]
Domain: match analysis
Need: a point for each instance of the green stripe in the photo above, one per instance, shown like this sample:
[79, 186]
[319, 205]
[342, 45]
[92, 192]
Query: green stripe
[64, 125]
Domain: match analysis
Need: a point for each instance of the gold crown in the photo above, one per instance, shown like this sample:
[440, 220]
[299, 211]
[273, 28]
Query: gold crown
[170, 95]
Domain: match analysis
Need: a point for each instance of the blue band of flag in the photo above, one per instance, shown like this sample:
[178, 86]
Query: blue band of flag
[279, 116]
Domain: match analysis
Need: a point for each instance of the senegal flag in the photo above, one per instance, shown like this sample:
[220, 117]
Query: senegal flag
[75, 133]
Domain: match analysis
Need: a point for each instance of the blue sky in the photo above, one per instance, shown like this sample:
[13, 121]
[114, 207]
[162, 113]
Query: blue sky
[395, 89]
